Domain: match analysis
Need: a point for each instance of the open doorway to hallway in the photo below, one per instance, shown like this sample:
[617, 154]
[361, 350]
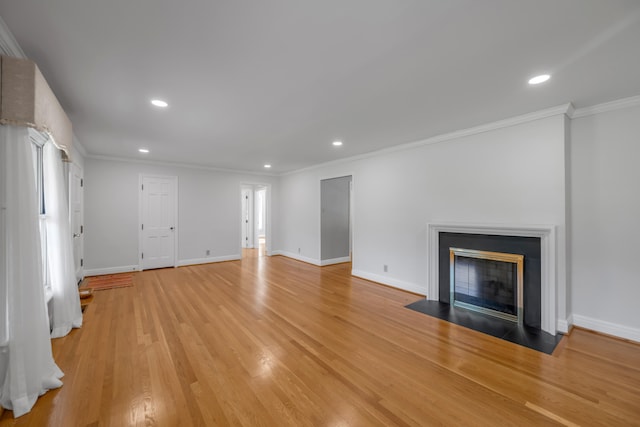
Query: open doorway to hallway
[254, 220]
[336, 239]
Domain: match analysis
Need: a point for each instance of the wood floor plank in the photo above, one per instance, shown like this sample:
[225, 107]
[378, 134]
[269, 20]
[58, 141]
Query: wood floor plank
[270, 341]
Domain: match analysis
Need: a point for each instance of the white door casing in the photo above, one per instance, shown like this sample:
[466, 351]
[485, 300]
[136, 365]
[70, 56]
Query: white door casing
[252, 231]
[247, 218]
[158, 200]
[335, 219]
[260, 210]
[76, 213]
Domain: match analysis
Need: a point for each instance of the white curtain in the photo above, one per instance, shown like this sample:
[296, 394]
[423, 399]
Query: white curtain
[28, 368]
[65, 304]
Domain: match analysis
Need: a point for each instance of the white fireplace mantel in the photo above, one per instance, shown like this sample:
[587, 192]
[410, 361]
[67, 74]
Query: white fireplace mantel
[547, 235]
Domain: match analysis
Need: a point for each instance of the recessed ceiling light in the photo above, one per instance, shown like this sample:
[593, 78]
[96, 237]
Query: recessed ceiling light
[159, 103]
[337, 143]
[267, 166]
[539, 79]
[143, 150]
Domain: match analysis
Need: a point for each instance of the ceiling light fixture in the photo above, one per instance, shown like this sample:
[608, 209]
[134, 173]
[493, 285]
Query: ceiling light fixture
[539, 79]
[143, 150]
[337, 143]
[159, 103]
[267, 166]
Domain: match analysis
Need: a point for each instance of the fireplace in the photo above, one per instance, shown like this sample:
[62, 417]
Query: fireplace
[537, 243]
[487, 282]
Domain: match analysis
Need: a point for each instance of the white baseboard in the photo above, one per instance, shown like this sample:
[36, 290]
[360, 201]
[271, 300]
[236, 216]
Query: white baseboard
[608, 328]
[335, 261]
[389, 281]
[563, 325]
[208, 260]
[110, 270]
[297, 257]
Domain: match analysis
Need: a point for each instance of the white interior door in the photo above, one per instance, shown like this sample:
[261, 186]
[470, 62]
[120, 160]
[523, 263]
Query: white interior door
[76, 197]
[247, 218]
[158, 228]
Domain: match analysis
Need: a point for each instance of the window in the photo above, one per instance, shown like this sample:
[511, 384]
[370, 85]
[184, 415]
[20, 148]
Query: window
[38, 163]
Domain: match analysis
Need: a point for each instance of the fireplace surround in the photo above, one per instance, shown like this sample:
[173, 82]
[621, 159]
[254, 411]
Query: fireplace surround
[544, 234]
[527, 246]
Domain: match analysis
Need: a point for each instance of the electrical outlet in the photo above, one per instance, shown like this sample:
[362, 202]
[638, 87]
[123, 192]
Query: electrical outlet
[385, 268]
[208, 252]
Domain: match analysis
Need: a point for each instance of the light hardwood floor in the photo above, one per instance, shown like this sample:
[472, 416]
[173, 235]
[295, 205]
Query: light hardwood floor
[276, 342]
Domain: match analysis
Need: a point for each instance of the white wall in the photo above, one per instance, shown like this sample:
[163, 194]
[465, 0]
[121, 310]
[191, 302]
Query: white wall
[299, 217]
[605, 225]
[512, 175]
[208, 213]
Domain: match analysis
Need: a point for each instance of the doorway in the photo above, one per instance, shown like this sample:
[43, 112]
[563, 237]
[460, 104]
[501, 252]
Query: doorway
[254, 220]
[335, 220]
[158, 205]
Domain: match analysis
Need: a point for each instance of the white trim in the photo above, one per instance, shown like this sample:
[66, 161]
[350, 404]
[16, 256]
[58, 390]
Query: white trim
[615, 329]
[176, 164]
[196, 261]
[334, 261]
[619, 104]
[268, 219]
[547, 235]
[351, 217]
[110, 270]
[500, 124]
[250, 188]
[298, 257]
[8, 44]
[78, 168]
[563, 325]
[388, 281]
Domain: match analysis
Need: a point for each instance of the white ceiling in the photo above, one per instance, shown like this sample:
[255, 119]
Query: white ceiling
[254, 82]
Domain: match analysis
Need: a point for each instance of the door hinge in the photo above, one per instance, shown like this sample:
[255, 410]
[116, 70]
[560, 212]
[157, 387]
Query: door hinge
[81, 229]
[143, 226]
[246, 197]
[81, 182]
[81, 262]
[142, 255]
[142, 187]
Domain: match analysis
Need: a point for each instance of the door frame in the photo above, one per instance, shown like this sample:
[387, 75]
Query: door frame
[141, 177]
[352, 238]
[259, 187]
[78, 269]
[249, 208]
[267, 231]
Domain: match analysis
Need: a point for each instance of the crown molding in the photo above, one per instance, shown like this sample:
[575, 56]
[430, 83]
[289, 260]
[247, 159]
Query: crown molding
[8, 44]
[177, 165]
[500, 124]
[619, 104]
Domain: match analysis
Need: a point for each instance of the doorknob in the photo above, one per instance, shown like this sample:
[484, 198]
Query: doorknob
[171, 228]
[75, 235]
